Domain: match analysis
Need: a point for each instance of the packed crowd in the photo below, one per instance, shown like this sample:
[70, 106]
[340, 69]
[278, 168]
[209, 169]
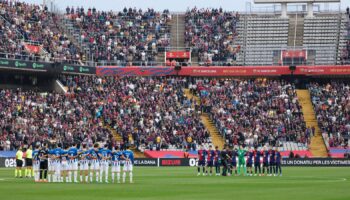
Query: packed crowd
[254, 112]
[29, 117]
[150, 113]
[332, 106]
[129, 37]
[212, 33]
[22, 23]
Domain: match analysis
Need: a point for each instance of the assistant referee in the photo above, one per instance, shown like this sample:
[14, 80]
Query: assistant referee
[19, 163]
[29, 162]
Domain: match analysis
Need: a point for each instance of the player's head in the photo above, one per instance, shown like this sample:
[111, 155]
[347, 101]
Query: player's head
[106, 146]
[59, 145]
[216, 148]
[128, 147]
[84, 145]
[116, 148]
[227, 147]
[276, 149]
[74, 144]
[210, 147]
[96, 145]
[37, 146]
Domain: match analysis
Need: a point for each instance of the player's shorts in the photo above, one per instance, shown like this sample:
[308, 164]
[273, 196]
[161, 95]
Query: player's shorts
[272, 163]
[51, 165]
[84, 165]
[36, 165]
[233, 164]
[265, 164]
[73, 165]
[256, 164]
[127, 166]
[95, 165]
[104, 164]
[64, 165]
[201, 163]
[19, 163]
[29, 162]
[115, 166]
[249, 164]
[210, 163]
[278, 164]
[217, 163]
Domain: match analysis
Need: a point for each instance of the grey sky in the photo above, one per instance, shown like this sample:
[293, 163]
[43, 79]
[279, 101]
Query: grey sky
[172, 5]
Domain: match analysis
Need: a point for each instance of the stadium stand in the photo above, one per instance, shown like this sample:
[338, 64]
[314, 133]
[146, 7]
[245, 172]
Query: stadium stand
[255, 112]
[259, 37]
[129, 37]
[150, 113]
[28, 116]
[31, 32]
[211, 34]
[332, 106]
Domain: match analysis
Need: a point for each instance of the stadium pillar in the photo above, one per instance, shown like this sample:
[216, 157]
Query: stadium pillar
[284, 10]
[310, 9]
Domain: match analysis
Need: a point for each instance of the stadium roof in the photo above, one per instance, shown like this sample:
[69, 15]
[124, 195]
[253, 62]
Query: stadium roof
[172, 5]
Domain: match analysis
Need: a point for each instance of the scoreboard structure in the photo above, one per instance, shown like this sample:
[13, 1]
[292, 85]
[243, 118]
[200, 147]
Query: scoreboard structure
[284, 3]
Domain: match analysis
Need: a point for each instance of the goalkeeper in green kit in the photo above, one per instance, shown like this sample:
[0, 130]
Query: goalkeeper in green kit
[241, 161]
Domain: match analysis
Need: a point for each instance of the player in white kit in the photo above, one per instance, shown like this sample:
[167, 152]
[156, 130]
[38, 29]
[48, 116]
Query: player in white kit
[116, 161]
[73, 163]
[128, 157]
[84, 164]
[95, 162]
[105, 154]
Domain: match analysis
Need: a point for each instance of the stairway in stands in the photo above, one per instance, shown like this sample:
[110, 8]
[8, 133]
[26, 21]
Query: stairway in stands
[216, 137]
[317, 146]
[177, 32]
[296, 31]
[118, 138]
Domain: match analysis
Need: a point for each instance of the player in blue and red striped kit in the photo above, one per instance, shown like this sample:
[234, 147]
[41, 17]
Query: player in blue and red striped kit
[217, 160]
[265, 154]
[250, 156]
[278, 159]
[201, 160]
[272, 162]
[210, 160]
[257, 163]
[234, 155]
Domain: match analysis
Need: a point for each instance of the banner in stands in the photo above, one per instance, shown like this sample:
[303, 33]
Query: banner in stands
[33, 48]
[293, 54]
[222, 71]
[76, 69]
[134, 71]
[177, 54]
[24, 65]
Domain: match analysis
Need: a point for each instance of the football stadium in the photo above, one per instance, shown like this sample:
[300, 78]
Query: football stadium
[156, 99]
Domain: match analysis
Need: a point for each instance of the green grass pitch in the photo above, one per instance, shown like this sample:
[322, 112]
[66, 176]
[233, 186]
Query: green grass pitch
[181, 183]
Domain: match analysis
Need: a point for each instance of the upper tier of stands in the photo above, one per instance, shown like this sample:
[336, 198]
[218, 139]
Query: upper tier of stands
[211, 34]
[129, 37]
[22, 23]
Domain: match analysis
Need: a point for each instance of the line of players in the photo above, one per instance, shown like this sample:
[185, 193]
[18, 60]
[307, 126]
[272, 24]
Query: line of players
[232, 160]
[63, 164]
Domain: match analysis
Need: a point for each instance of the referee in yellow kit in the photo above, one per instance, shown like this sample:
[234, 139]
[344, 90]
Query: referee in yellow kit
[19, 163]
[29, 162]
